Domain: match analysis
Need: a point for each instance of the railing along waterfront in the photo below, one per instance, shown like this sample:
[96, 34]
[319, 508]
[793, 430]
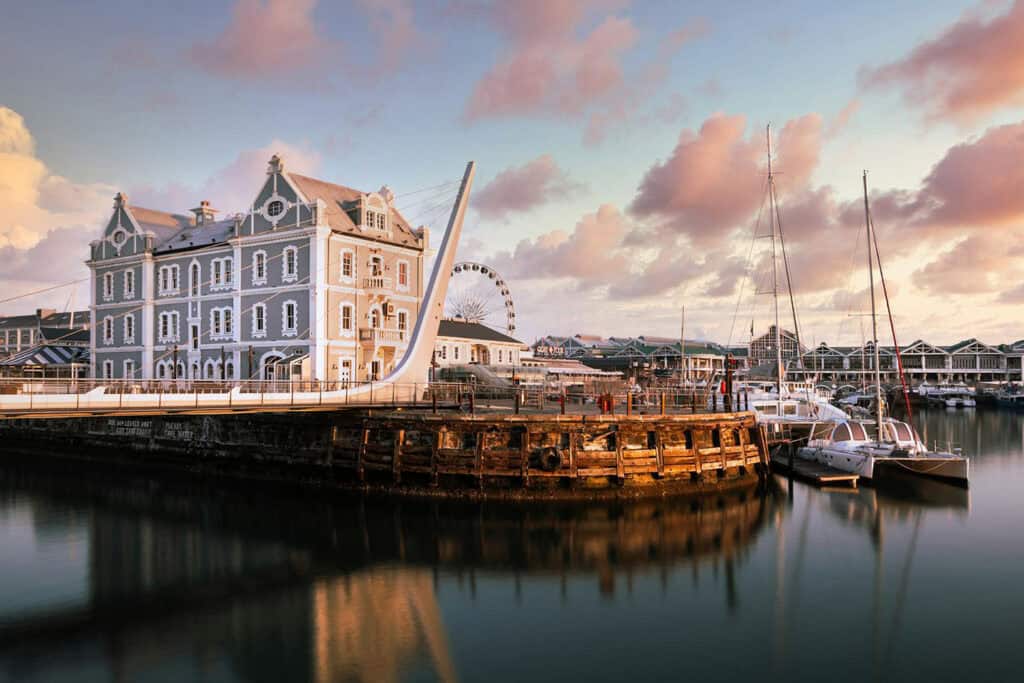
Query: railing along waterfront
[27, 395]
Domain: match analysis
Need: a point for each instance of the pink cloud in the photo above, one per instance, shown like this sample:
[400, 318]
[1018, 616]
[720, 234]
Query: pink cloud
[522, 188]
[974, 67]
[983, 263]
[264, 39]
[589, 254]
[713, 179]
[283, 39]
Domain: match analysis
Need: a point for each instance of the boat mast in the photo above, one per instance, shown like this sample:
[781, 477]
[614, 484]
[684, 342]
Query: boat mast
[874, 318]
[775, 266]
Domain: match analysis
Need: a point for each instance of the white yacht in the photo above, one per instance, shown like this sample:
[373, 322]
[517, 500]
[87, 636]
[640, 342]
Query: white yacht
[854, 446]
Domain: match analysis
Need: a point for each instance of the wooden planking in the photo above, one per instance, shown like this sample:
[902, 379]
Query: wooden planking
[814, 472]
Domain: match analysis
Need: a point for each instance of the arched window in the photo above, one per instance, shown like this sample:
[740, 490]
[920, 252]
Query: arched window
[289, 318]
[229, 370]
[193, 279]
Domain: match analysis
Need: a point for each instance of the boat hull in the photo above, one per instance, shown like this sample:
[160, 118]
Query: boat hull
[950, 468]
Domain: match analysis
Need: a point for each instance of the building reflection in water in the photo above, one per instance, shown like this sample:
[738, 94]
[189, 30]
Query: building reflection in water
[251, 586]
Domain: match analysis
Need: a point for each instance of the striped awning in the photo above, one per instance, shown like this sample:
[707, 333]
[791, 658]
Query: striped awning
[49, 355]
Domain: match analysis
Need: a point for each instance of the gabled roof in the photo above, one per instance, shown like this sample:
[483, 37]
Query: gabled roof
[341, 200]
[162, 224]
[70, 335]
[10, 322]
[461, 329]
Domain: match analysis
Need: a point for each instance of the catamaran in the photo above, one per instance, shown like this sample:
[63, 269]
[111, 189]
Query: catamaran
[870, 448]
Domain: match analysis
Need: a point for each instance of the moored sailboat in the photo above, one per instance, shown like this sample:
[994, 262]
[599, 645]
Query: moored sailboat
[850, 445]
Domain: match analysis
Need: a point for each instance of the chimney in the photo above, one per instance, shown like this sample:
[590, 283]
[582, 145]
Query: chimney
[42, 313]
[204, 212]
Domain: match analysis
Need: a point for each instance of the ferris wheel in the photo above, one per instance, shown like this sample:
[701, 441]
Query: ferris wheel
[478, 294]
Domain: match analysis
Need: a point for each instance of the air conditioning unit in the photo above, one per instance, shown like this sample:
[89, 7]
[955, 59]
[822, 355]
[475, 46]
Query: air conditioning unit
[389, 309]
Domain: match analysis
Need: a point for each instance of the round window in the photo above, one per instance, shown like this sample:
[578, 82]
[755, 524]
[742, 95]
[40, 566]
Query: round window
[275, 208]
[118, 237]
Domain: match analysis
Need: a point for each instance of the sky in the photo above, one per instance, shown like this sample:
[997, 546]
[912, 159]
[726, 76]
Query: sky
[620, 146]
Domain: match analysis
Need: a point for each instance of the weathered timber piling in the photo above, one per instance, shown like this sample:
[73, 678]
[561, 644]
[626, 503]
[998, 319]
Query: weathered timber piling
[420, 453]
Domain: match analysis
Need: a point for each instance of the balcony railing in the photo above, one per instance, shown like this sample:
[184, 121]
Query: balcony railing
[377, 282]
[382, 336]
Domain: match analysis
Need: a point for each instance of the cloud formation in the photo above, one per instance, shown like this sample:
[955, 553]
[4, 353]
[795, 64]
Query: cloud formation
[522, 188]
[974, 67]
[231, 189]
[264, 39]
[283, 39]
[34, 200]
[589, 254]
[548, 68]
[714, 177]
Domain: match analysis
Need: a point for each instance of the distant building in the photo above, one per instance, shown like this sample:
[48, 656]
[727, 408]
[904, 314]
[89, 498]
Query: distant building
[465, 343]
[60, 353]
[762, 348]
[969, 360]
[633, 354]
[20, 332]
[317, 280]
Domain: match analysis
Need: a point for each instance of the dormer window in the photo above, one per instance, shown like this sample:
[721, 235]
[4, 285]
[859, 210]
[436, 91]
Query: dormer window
[275, 208]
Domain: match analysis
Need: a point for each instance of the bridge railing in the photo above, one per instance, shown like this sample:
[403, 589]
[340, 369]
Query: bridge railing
[21, 396]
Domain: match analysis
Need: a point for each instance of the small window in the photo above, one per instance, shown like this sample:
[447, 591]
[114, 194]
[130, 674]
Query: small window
[652, 439]
[346, 318]
[275, 208]
[688, 435]
[403, 274]
[841, 433]
[716, 438]
[259, 319]
[289, 265]
[857, 429]
[347, 265]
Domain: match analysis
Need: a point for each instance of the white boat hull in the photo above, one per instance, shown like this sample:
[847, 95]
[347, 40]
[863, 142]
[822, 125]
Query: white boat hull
[952, 468]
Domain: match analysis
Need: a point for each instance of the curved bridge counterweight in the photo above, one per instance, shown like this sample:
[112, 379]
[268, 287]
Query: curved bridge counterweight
[406, 383]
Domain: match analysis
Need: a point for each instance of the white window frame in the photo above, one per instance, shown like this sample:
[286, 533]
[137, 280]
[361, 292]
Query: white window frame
[129, 329]
[258, 278]
[173, 333]
[398, 275]
[128, 368]
[108, 286]
[402, 327]
[222, 323]
[195, 274]
[350, 330]
[222, 273]
[129, 283]
[294, 329]
[285, 275]
[108, 330]
[168, 280]
[257, 332]
[352, 265]
[108, 369]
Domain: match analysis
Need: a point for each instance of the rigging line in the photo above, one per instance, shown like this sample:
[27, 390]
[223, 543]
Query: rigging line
[849, 299]
[892, 324]
[431, 211]
[448, 183]
[43, 290]
[789, 281]
[425, 200]
[746, 267]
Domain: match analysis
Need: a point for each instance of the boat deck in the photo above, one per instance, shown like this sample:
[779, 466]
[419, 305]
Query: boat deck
[811, 471]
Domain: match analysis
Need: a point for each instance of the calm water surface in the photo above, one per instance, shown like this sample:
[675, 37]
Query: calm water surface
[111, 579]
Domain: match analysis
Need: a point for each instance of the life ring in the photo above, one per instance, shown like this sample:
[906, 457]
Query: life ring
[550, 458]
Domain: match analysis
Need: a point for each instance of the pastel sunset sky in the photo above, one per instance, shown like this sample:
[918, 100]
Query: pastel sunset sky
[620, 145]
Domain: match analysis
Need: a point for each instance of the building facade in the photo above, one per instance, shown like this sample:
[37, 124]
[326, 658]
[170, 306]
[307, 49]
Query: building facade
[317, 281]
[21, 332]
[465, 343]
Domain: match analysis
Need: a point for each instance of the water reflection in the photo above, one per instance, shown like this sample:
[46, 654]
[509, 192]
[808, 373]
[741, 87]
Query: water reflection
[248, 585]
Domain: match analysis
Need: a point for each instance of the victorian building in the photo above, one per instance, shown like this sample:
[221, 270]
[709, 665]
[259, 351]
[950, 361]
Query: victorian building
[316, 281]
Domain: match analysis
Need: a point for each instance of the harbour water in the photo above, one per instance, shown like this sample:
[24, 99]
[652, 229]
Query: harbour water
[115, 578]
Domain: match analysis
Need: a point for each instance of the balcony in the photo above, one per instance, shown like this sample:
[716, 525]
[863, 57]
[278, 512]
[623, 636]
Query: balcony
[377, 282]
[382, 337]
